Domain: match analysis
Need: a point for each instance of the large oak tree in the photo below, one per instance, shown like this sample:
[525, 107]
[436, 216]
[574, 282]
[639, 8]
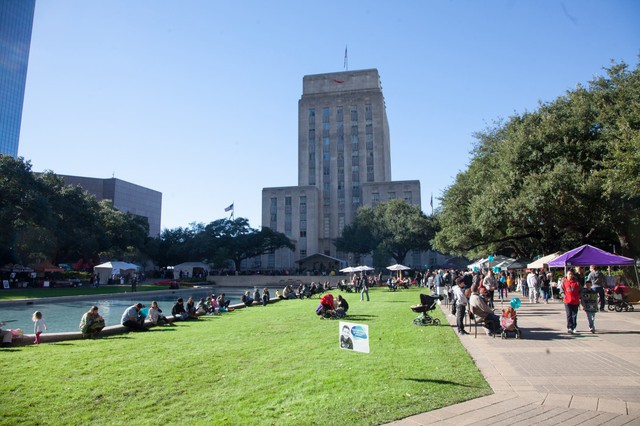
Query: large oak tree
[564, 175]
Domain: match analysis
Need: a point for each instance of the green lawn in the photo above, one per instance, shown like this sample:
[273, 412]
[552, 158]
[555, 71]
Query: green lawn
[279, 364]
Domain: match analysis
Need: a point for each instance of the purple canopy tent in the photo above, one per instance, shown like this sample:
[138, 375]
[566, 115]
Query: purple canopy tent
[587, 255]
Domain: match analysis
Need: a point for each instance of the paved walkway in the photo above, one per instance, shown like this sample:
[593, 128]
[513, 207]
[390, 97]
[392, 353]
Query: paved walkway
[550, 377]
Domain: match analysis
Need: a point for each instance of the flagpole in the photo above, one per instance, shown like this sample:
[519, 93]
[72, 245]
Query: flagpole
[346, 59]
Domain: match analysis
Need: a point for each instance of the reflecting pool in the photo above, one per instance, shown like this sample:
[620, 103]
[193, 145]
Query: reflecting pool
[64, 316]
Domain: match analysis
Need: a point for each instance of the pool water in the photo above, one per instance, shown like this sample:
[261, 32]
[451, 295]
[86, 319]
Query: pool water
[65, 316]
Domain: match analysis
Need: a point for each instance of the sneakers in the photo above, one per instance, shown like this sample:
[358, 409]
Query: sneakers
[570, 331]
[462, 333]
[593, 330]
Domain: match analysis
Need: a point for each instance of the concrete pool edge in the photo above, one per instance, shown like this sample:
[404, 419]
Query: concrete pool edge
[112, 330]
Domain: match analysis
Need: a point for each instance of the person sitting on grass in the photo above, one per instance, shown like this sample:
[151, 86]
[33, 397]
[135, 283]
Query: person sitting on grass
[247, 299]
[265, 296]
[6, 335]
[201, 307]
[342, 303]
[213, 306]
[178, 311]
[223, 302]
[326, 308]
[91, 323]
[191, 308]
[132, 319]
[155, 315]
[288, 293]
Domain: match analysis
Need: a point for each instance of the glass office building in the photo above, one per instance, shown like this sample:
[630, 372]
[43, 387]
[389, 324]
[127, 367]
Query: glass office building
[16, 22]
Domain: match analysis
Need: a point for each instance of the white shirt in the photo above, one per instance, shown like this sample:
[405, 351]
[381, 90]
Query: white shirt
[459, 295]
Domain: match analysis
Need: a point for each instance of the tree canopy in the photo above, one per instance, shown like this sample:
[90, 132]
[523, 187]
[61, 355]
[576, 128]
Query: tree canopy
[389, 230]
[218, 243]
[564, 175]
[44, 219]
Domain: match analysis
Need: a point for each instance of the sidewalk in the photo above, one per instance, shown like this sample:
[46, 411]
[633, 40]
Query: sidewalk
[550, 377]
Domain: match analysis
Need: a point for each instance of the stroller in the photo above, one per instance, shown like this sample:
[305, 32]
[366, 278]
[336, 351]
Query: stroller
[509, 324]
[427, 303]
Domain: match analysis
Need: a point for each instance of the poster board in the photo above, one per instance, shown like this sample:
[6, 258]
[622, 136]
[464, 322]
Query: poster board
[353, 337]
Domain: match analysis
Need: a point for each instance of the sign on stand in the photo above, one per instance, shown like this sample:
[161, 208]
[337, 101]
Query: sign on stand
[354, 337]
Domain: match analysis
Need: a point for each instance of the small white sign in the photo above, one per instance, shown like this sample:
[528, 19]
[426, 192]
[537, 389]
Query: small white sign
[5, 283]
[45, 284]
[354, 337]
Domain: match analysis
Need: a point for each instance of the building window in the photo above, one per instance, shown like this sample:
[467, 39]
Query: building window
[368, 113]
[312, 118]
[354, 113]
[303, 253]
[327, 227]
[408, 197]
[339, 114]
[391, 195]
[303, 233]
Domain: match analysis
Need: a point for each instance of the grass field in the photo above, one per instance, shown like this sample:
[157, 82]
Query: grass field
[278, 364]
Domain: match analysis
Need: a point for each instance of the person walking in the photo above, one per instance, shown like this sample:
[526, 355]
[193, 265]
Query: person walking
[571, 289]
[39, 326]
[598, 282]
[589, 301]
[365, 289]
[532, 283]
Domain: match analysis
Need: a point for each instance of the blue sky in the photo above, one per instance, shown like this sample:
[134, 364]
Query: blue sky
[198, 99]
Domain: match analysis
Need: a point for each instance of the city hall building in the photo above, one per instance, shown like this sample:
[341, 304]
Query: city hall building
[344, 163]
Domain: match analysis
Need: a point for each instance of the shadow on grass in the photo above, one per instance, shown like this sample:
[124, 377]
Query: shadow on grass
[359, 317]
[441, 382]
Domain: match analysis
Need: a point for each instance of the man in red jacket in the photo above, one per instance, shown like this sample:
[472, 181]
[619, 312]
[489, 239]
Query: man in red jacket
[571, 289]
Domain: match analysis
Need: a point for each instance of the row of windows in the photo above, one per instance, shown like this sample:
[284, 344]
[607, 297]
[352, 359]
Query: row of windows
[368, 115]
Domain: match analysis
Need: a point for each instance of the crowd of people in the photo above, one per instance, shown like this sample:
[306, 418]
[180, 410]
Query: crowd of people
[467, 291]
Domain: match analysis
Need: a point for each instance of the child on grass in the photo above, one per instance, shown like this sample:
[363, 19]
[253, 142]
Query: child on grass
[39, 326]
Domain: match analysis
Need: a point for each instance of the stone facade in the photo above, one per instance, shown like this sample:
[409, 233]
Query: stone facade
[125, 196]
[344, 163]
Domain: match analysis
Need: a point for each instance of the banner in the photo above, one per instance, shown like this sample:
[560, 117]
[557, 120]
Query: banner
[354, 337]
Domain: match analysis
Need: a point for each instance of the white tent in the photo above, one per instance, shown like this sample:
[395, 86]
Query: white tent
[190, 269]
[543, 261]
[498, 260]
[109, 269]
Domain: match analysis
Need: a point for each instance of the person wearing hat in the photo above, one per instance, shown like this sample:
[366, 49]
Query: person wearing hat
[132, 319]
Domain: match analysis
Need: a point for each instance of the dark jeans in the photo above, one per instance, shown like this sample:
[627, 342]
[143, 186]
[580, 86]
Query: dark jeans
[135, 325]
[460, 311]
[572, 316]
[600, 291]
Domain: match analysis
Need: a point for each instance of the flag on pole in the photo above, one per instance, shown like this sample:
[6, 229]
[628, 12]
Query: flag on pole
[229, 208]
[346, 61]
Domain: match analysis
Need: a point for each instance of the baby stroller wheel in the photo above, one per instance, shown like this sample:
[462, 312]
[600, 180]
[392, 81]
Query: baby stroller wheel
[611, 306]
[618, 308]
[436, 321]
[503, 335]
[518, 334]
[630, 308]
[417, 321]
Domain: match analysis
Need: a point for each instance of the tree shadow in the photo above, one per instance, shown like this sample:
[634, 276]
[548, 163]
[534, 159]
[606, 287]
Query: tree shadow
[539, 333]
[359, 317]
[440, 382]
